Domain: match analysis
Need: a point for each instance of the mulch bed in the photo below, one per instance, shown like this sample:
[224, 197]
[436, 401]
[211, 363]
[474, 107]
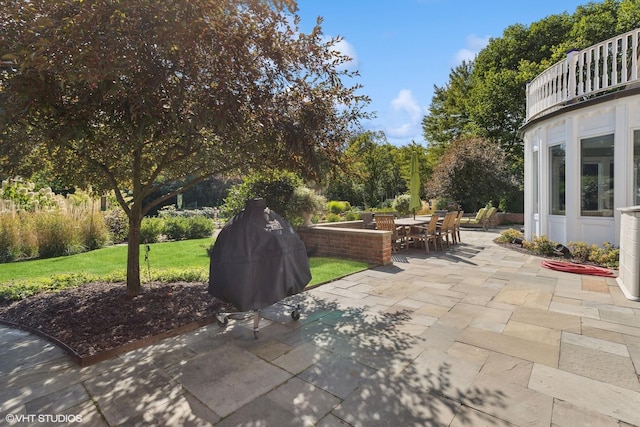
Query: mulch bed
[559, 258]
[100, 317]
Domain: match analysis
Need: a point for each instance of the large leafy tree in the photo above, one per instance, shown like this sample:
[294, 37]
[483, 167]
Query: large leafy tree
[501, 71]
[628, 15]
[129, 96]
[472, 171]
[370, 160]
[448, 113]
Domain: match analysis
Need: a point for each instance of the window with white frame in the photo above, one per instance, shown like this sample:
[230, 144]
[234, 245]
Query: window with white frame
[636, 167]
[536, 177]
[557, 180]
[596, 186]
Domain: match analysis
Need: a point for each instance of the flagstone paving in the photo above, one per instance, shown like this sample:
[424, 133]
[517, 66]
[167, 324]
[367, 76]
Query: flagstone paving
[478, 335]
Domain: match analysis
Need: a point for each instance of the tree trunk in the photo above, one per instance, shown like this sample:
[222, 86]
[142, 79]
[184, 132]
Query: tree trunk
[133, 254]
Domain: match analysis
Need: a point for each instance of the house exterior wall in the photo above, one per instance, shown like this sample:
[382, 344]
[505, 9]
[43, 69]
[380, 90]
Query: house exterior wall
[617, 115]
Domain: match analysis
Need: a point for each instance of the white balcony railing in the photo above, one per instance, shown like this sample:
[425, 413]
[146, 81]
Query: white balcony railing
[611, 64]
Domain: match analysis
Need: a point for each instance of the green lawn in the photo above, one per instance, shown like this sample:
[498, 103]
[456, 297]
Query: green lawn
[185, 254]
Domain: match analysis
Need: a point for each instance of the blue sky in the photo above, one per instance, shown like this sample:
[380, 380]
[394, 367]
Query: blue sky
[402, 48]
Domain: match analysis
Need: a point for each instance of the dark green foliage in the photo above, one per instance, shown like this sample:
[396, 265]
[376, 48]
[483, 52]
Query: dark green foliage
[448, 116]
[202, 196]
[447, 204]
[180, 228]
[345, 186]
[352, 215]
[199, 227]
[276, 187]
[472, 171]
[176, 228]
[151, 229]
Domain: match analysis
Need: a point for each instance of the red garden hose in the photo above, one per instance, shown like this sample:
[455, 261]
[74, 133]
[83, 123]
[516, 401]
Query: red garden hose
[570, 267]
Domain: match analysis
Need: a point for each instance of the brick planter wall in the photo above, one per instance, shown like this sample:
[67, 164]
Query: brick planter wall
[371, 246]
[507, 217]
[499, 218]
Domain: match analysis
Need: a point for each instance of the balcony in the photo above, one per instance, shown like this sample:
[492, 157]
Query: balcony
[609, 66]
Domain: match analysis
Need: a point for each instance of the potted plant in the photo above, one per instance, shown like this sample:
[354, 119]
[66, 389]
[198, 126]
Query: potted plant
[306, 203]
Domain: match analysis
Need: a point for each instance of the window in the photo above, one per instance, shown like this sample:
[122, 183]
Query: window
[596, 189]
[636, 167]
[557, 181]
[535, 181]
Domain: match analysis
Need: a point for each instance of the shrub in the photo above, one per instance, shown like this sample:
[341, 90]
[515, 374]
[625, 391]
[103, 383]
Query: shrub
[93, 230]
[57, 236]
[10, 241]
[176, 228]
[181, 275]
[28, 235]
[352, 215]
[332, 217]
[448, 204]
[117, 223]
[276, 187]
[581, 251]
[541, 245]
[198, 227]
[401, 204]
[150, 229]
[607, 255]
[507, 236]
[338, 207]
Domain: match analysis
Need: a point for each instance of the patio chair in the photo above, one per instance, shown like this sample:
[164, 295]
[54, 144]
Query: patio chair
[477, 220]
[456, 227]
[446, 229]
[486, 220]
[425, 234]
[398, 234]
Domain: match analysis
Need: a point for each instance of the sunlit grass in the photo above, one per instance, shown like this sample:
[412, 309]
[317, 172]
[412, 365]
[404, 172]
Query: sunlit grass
[186, 259]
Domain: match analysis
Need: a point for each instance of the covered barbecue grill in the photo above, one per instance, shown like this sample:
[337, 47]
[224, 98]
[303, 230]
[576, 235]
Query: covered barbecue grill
[257, 260]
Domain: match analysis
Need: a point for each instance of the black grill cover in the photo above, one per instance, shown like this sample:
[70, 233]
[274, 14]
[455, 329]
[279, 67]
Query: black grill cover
[257, 259]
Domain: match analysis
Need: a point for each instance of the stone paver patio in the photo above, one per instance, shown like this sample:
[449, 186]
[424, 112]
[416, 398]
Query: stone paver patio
[479, 335]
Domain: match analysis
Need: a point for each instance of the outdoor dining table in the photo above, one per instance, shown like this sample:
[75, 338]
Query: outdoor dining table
[407, 222]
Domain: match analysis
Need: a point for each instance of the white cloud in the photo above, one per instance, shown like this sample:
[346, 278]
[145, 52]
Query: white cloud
[473, 45]
[404, 120]
[406, 102]
[406, 130]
